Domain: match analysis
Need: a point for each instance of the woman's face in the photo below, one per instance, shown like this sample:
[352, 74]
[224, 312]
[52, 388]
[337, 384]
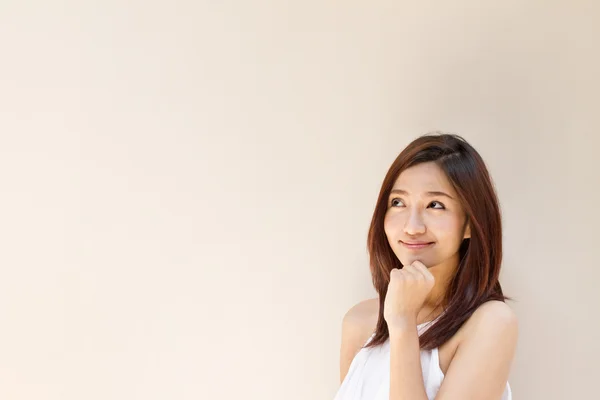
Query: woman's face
[417, 214]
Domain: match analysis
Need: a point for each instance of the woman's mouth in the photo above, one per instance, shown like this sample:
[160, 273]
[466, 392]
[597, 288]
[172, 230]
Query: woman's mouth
[416, 245]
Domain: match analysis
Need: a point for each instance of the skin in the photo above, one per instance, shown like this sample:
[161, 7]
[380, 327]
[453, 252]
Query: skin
[476, 360]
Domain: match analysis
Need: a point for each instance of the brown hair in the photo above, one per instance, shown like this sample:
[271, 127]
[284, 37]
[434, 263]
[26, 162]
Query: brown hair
[476, 278]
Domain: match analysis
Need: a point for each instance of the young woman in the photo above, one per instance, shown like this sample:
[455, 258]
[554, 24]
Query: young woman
[440, 328]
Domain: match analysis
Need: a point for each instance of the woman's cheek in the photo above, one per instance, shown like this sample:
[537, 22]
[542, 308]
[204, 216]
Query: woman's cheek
[446, 227]
[392, 222]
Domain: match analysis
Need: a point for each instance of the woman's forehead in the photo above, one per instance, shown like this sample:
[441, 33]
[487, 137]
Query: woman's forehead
[423, 177]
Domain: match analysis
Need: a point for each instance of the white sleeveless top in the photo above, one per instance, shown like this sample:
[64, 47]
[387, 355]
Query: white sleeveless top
[369, 375]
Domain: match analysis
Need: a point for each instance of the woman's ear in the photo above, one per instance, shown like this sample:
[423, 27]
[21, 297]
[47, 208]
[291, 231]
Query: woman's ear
[467, 234]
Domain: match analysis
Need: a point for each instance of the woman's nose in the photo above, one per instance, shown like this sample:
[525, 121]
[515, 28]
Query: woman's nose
[414, 224]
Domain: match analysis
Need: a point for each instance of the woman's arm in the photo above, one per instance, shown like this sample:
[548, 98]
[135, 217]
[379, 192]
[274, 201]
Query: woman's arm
[406, 377]
[481, 364]
[357, 326]
[479, 368]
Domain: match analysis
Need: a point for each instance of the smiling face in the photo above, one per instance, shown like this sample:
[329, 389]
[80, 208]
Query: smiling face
[423, 207]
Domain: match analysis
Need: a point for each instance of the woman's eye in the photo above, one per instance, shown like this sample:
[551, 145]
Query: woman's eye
[437, 202]
[394, 202]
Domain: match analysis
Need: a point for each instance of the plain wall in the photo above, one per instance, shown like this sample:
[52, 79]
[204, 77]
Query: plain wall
[186, 186]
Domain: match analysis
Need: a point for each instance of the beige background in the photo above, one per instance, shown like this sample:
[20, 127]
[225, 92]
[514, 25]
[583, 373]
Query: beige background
[186, 186]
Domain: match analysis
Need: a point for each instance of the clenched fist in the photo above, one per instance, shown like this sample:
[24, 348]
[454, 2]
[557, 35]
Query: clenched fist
[407, 292]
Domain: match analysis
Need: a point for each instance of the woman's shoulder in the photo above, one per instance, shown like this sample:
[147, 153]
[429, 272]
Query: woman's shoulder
[493, 315]
[491, 329]
[363, 313]
[361, 319]
[493, 312]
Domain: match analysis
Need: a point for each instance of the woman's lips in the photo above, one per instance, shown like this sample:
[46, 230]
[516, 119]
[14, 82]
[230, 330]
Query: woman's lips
[416, 246]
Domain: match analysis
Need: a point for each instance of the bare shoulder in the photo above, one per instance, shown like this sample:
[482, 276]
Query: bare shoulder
[494, 318]
[495, 313]
[358, 324]
[363, 315]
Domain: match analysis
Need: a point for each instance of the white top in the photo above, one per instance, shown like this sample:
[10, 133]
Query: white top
[369, 375]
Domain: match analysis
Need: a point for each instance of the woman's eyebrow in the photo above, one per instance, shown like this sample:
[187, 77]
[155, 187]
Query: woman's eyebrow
[434, 193]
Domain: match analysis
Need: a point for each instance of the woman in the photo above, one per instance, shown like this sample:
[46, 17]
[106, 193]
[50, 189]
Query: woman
[440, 327]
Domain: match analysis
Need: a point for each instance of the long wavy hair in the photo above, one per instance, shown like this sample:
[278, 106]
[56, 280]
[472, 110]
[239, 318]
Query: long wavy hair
[476, 277]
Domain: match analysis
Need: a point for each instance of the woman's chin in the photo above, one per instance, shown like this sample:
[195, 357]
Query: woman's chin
[410, 260]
